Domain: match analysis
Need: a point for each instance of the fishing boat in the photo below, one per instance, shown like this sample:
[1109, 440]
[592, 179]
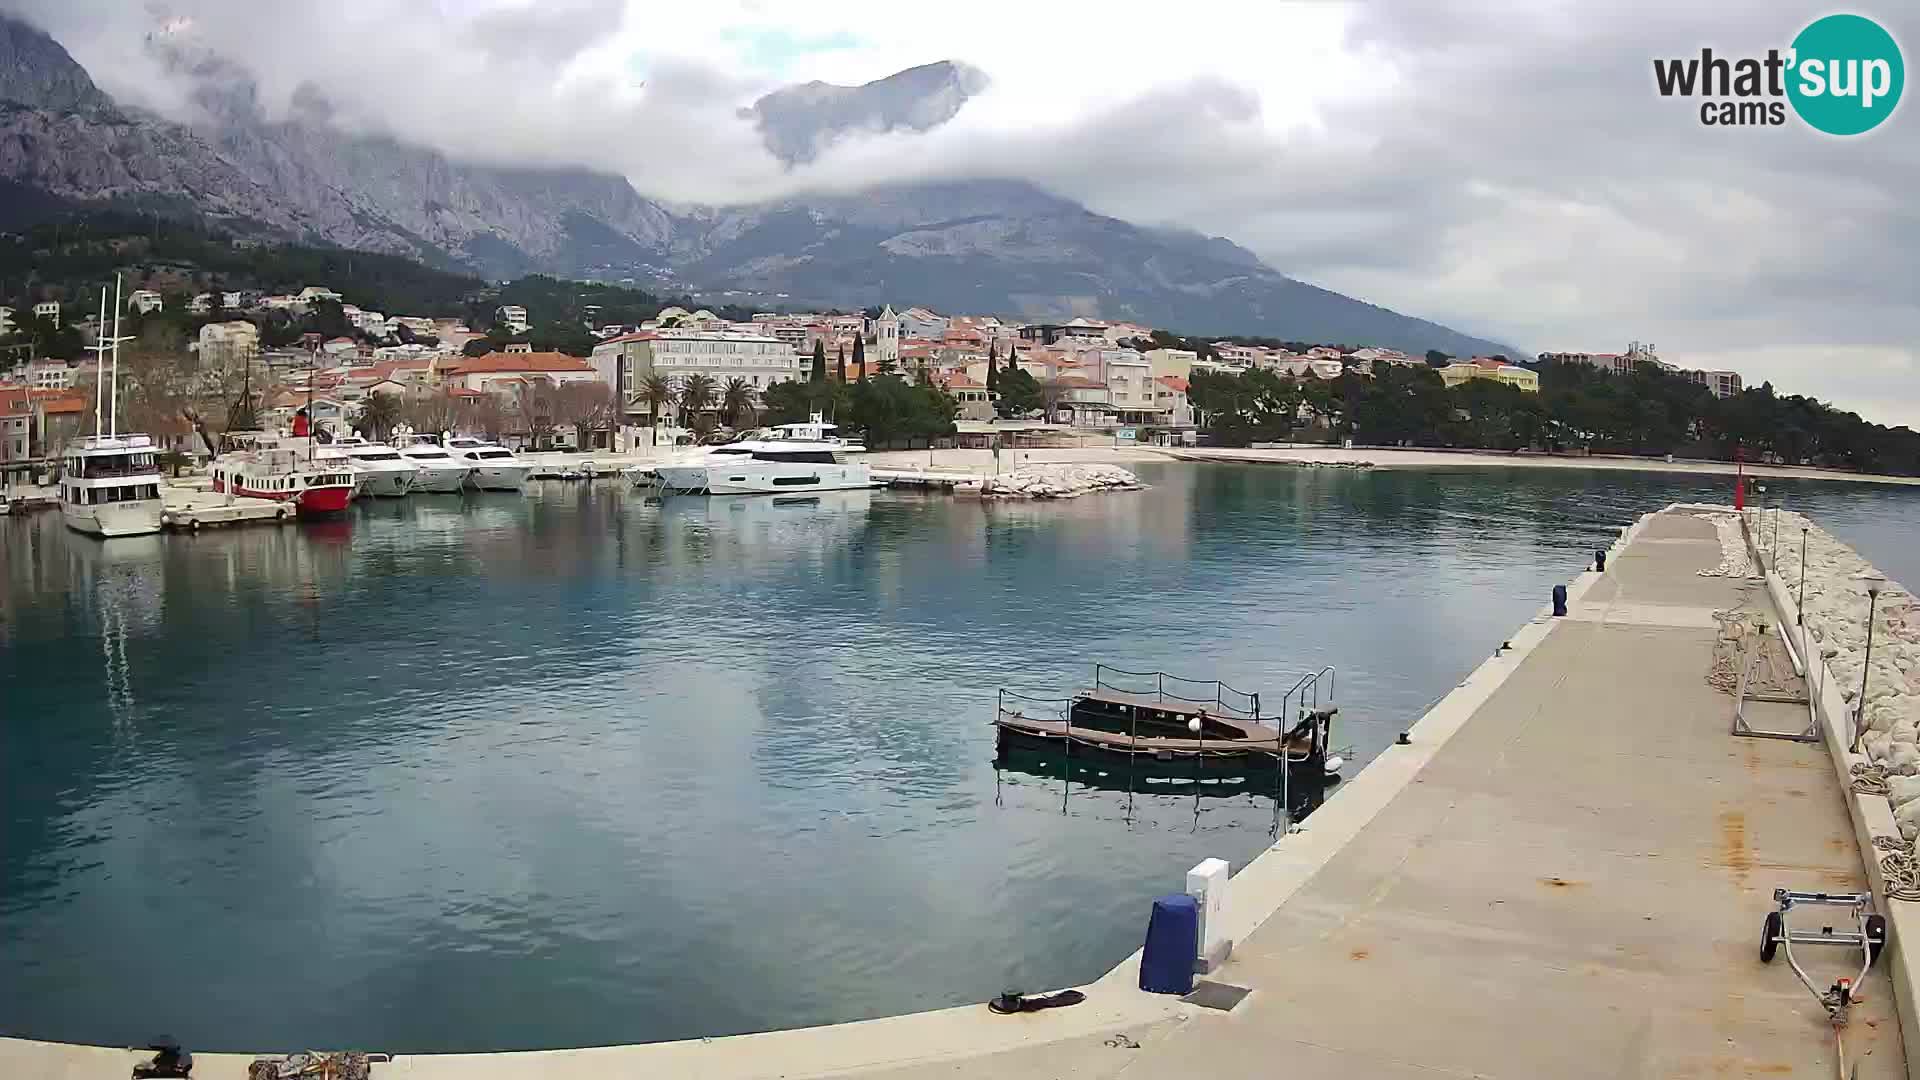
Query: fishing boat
[1185, 726]
[313, 478]
[110, 482]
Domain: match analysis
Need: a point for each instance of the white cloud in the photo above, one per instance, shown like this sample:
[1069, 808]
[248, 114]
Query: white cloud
[1507, 169]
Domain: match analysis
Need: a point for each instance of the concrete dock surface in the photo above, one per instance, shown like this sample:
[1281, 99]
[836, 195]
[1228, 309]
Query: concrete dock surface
[1564, 874]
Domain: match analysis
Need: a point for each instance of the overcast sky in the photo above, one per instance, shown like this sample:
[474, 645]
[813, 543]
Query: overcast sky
[1505, 168]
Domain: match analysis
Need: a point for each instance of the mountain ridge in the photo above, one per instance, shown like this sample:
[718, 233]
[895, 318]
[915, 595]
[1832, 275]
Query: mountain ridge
[1004, 246]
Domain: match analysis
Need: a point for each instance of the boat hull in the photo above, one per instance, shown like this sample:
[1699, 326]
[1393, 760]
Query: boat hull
[139, 517]
[763, 478]
[440, 481]
[387, 483]
[1190, 758]
[309, 502]
[499, 477]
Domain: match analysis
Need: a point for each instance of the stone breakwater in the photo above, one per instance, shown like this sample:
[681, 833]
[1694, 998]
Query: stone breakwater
[1063, 480]
[1835, 610]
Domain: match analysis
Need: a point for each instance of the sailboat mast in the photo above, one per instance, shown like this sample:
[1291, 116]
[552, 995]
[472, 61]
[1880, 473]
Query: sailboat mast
[313, 429]
[113, 411]
[99, 361]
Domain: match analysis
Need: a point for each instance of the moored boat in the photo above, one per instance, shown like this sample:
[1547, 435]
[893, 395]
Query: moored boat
[110, 482]
[793, 458]
[495, 468]
[314, 479]
[378, 468]
[1196, 727]
[436, 470]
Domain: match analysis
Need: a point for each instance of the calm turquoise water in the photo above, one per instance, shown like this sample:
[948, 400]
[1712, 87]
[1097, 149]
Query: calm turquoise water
[579, 768]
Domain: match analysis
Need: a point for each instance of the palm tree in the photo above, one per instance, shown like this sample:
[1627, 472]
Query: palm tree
[656, 391]
[696, 394]
[378, 415]
[735, 399]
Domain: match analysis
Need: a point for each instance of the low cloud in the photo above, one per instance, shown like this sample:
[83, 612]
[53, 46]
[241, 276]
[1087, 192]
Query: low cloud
[1510, 170]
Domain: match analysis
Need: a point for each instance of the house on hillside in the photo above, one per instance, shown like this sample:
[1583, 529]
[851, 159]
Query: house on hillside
[506, 372]
[1486, 367]
[145, 301]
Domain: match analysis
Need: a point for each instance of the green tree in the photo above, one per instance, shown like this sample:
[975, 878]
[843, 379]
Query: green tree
[993, 366]
[697, 394]
[378, 414]
[736, 401]
[1019, 394]
[1436, 358]
[819, 362]
[859, 355]
[840, 364]
[657, 392]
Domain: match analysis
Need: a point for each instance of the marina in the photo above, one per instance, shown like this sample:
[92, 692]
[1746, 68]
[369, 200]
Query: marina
[1037, 865]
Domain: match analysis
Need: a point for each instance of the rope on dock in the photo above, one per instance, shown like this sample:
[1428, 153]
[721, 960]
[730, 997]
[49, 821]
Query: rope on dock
[1870, 779]
[1899, 867]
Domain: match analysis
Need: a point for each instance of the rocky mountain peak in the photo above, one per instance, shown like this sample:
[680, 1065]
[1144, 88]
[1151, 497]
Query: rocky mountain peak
[798, 122]
[36, 71]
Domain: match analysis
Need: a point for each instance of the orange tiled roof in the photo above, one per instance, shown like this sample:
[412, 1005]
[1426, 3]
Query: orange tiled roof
[1174, 381]
[500, 362]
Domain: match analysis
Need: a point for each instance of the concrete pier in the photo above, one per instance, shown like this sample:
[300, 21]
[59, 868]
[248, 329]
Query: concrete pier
[1562, 873]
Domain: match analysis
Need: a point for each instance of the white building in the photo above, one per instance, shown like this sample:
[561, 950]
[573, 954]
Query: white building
[511, 316]
[921, 323]
[317, 292]
[722, 355]
[223, 345]
[48, 310]
[145, 301]
[49, 375]
[1170, 396]
[886, 338]
[6, 320]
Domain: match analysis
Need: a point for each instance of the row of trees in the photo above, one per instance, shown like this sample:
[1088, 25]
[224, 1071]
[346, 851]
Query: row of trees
[1649, 411]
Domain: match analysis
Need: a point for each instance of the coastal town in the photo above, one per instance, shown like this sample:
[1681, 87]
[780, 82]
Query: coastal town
[680, 375]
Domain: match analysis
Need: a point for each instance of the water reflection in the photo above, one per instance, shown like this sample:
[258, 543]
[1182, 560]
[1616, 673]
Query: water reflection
[584, 767]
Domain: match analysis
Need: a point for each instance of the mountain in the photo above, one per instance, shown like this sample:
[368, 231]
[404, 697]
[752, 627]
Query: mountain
[1002, 246]
[798, 122]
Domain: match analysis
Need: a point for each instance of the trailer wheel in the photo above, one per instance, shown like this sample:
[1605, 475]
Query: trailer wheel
[1876, 937]
[1770, 932]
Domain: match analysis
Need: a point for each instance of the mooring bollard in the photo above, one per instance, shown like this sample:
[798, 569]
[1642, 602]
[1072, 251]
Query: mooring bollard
[1207, 884]
[1559, 601]
[1599, 562]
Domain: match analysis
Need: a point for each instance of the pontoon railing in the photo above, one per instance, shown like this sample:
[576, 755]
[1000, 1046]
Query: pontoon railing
[1177, 688]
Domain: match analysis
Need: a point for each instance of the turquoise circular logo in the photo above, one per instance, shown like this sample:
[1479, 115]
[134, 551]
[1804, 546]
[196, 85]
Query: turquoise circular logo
[1846, 75]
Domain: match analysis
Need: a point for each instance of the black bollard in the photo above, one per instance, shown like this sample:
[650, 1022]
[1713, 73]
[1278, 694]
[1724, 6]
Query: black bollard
[1559, 600]
[1599, 562]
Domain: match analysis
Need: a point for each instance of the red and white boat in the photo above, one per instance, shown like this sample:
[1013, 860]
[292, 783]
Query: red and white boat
[314, 477]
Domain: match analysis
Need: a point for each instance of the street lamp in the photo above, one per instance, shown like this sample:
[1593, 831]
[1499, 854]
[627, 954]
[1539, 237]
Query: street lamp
[1874, 583]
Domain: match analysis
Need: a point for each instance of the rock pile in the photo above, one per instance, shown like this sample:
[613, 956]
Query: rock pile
[1835, 610]
[1063, 480]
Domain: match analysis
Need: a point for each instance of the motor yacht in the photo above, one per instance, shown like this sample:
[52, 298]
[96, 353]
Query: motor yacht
[495, 468]
[380, 469]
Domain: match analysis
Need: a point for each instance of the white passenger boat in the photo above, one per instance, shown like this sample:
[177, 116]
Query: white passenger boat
[795, 458]
[437, 470]
[495, 468]
[378, 468]
[110, 482]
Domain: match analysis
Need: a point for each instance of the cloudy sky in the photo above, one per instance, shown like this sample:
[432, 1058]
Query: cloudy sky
[1503, 167]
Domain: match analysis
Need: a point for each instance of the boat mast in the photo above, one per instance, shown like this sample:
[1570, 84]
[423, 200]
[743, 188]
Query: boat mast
[313, 351]
[99, 348]
[113, 409]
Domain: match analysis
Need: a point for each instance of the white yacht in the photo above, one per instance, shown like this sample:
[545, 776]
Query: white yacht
[378, 469]
[794, 458]
[495, 468]
[109, 482]
[439, 471]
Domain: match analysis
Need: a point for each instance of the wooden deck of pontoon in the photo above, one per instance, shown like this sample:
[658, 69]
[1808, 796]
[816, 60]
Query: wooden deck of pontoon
[1256, 738]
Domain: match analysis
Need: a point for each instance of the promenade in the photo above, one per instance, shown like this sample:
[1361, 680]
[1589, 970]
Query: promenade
[1563, 873]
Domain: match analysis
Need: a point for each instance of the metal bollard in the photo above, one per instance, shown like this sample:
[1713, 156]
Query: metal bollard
[1559, 601]
[1599, 562]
